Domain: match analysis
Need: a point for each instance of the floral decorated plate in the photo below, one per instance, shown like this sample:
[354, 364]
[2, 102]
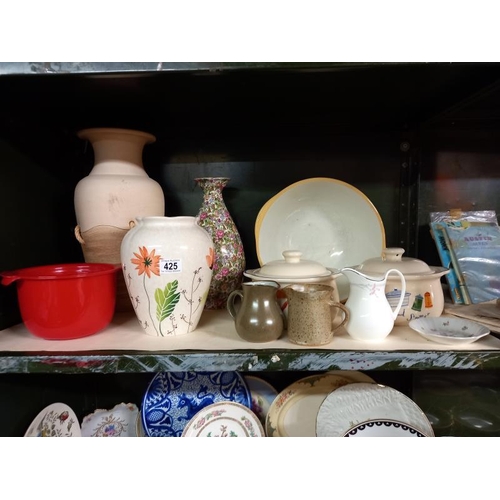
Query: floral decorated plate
[224, 419]
[358, 402]
[120, 421]
[383, 428]
[263, 394]
[293, 412]
[353, 375]
[446, 330]
[174, 398]
[56, 420]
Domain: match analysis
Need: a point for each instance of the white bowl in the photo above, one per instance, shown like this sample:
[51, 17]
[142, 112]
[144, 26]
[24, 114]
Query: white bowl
[447, 330]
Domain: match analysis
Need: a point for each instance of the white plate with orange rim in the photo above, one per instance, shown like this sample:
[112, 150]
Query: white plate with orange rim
[224, 419]
[263, 394]
[55, 420]
[294, 411]
[328, 220]
[383, 428]
[358, 402]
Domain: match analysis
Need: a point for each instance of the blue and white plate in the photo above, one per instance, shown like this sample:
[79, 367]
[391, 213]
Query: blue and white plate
[173, 398]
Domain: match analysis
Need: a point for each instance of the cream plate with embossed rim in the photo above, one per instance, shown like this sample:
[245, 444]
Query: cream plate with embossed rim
[224, 419]
[293, 413]
[328, 220]
[358, 402]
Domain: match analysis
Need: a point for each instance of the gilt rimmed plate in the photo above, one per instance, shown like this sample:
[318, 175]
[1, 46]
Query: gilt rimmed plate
[173, 398]
[358, 402]
[119, 421]
[263, 394]
[55, 420]
[328, 220]
[447, 330]
[224, 419]
[353, 375]
[383, 428]
[293, 412]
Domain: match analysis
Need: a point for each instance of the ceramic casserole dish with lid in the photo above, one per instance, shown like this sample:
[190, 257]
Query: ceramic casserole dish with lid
[424, 292]
[292, 269]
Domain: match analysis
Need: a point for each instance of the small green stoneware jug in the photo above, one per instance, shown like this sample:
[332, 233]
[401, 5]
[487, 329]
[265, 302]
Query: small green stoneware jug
[258, 317]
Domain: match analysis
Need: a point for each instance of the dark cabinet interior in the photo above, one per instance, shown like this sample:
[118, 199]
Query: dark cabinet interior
[414, 138]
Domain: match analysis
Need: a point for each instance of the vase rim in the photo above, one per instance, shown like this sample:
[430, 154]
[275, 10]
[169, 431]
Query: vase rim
[211, 178]
[86, 133]
[159, 218]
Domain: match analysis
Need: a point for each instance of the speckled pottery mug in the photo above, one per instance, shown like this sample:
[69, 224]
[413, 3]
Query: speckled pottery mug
[311, 314]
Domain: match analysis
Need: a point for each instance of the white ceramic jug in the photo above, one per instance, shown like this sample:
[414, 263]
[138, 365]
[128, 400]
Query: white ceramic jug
[371, 317]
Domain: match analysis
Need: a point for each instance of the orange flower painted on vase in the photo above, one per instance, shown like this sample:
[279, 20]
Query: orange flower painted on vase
[147, 262]
[210, 258]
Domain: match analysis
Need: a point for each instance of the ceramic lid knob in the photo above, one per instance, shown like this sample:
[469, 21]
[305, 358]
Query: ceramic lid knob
[393, 254]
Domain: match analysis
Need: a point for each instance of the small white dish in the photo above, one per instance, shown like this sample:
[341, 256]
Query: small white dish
[120, 421]
[383, 428]
[449, 330]
[263, 394]
[55, 420]
[224, 419]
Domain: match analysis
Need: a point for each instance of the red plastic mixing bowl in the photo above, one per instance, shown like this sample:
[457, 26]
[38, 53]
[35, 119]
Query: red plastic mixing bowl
[65, 301]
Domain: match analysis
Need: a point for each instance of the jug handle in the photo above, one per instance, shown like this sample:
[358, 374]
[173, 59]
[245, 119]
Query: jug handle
[231, 301]
[345, 311]
[395, 312]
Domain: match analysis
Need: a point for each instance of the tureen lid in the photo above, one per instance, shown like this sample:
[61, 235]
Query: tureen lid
[392, 258]
[292, 266]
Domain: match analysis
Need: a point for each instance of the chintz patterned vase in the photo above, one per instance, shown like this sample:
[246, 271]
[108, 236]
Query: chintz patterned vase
[167, 266]
[229, 258]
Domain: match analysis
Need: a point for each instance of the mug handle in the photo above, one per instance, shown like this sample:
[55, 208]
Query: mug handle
[230, 305]
[346, 314]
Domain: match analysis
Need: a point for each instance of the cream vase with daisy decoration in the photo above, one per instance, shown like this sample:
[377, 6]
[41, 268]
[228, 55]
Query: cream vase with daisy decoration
[167, 266]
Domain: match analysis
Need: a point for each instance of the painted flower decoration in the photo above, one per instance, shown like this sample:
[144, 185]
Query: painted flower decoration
[147, 262]
[210, 258]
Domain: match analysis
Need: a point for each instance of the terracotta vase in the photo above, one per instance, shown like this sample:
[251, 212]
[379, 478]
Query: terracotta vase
[229, 258]
[116, 191]
[167, 266]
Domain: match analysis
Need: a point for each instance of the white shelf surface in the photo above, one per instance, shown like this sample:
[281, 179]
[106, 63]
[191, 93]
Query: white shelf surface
[216, 332]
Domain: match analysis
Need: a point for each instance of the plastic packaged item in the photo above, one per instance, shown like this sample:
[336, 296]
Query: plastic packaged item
[473, 241]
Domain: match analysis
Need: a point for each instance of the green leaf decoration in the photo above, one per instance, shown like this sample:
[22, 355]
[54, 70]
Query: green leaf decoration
[166, 300]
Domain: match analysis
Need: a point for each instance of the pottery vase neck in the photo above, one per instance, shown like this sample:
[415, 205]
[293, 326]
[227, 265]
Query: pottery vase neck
[160, 221]
[212, 186]
[117, 150]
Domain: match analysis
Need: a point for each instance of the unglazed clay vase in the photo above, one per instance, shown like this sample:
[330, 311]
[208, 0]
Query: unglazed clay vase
[116, 191]
[258, 316]
[229, 257]
[167, 265]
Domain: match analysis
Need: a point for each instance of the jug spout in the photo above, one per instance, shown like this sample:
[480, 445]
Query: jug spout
[357, 277]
